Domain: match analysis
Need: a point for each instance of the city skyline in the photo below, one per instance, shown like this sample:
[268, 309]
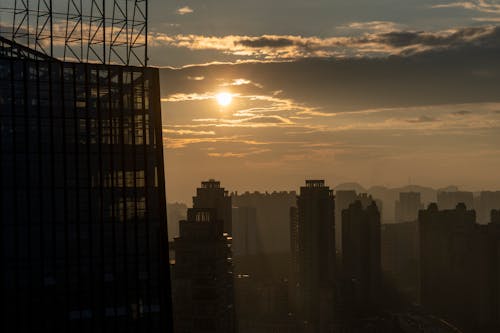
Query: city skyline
[250, 166]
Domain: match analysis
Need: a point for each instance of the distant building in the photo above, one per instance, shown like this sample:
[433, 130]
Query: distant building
[407, 207]
[273, 210]
[449, 200]
[342, 201]
[361, 261]
[459, 267]
[203, 288]
[400, 257]
[212, 195]
[316, 257]
[488, 201]
[245, 241]
[175, 213]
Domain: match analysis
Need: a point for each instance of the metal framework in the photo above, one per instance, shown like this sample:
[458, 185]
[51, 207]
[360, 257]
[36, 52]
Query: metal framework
[84, 31]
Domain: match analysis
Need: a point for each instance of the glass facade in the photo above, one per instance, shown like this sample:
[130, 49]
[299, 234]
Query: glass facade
[82, 199]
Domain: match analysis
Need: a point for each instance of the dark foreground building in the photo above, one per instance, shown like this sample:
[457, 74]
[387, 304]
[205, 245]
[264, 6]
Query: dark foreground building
[361, 261]
[459, 267]
[316, 256]
[203, 275]
[82, 199]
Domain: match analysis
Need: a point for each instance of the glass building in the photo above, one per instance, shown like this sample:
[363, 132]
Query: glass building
[82, 196]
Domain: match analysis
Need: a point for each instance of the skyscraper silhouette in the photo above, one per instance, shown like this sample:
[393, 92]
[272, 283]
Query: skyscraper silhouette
[316, 257]
[361, 261]
[342, 201]
[459, 262]
[211, 195]
[203, 275]
[82, 200]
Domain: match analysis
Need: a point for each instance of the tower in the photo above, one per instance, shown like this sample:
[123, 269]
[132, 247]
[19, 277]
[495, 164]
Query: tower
[212, 195]
[316, 257]
[203, 275]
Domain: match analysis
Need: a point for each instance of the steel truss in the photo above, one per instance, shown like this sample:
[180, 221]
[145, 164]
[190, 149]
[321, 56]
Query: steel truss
[81, 30]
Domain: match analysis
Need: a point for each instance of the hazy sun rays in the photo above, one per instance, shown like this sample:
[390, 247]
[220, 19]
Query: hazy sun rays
[224, 98]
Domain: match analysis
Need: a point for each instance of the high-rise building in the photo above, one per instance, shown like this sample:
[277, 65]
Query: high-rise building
[400, 257]
[82, 200]
[488, 201]
[245, 241]
[459, 267]
[272, 217]
[203, 288]
[361, 261]
[495, 216]
[294, 259]
[407, 207]
[316, 257]
[449, 200]
[211, 195]
[342, 201]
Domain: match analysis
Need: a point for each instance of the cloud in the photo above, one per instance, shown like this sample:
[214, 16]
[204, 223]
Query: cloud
[483, 6]
[185, 10]
[267, 120]
[487, 19]
[371, 26]
[241, 82]
[188, 97]
[240, 154]
[289, 47]
[178, 143]
[252, 121]
[195, 78]
[422, 119]
[187, 132]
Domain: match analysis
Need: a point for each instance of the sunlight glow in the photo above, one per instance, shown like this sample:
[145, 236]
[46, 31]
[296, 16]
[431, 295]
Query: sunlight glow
[224, 98]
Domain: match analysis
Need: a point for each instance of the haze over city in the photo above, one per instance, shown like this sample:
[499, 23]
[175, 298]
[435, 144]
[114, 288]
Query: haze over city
[228, 166]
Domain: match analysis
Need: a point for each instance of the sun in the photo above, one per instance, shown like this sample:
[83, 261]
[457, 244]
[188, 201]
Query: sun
[224, 98]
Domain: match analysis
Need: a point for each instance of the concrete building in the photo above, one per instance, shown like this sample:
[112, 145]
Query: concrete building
[449, 200]
[245, 239]
[361, 261]
[407, 207]
[82, 201]
[342, 201]
[203, 287]
[273, 210]
[212, 195]
[488, 201]
[459, 267]
[400, 258]
[316, 257]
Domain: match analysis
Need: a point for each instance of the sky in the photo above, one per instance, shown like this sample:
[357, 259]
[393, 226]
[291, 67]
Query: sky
[389, 92]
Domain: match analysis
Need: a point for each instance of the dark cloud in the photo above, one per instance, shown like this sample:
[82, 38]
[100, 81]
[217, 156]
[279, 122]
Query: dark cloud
[485, 36]
[266, 42]
[266, 120]
[292, 47]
